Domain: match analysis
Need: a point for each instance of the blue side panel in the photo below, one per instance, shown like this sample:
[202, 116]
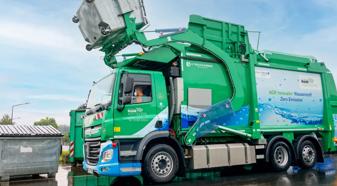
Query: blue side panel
[274, 115]
[165, 125]
[113, 167]
[238, 118]
[188, 120]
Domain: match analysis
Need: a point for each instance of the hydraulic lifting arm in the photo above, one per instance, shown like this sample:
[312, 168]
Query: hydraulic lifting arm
[111, 48]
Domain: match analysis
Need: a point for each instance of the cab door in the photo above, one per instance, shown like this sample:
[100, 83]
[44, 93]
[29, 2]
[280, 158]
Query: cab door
[136, 108]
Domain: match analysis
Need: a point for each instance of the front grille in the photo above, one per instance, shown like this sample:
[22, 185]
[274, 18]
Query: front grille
[92, 148]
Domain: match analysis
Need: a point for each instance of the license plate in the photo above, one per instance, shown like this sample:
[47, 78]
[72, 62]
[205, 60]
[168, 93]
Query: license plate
[90, 170]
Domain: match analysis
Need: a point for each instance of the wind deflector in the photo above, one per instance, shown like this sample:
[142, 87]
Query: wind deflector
[155, 58]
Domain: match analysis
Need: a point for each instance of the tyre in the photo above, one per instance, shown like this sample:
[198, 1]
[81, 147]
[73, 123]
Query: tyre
[280, 157]
[160, 164]
[35, 176]
[307, 154]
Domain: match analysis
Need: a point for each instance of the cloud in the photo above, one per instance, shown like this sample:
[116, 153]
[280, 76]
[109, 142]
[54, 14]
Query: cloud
[28, 117]
[331, 4]
[28, 34]
[56, 97]
[320, 43]
[3, 79]
[320, 40]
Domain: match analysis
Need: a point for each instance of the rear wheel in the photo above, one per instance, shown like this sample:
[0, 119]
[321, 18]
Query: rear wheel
[160, 164]
[307, 154]
[280, 157]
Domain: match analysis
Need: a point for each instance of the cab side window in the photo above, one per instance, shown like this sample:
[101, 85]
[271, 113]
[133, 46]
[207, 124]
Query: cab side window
[141, 88]
[141, 94]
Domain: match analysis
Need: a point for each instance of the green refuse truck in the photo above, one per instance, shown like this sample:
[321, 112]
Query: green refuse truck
[199, 98]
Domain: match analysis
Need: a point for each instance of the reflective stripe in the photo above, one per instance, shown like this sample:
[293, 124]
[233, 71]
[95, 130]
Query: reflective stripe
[99, 115]
[130, 169]
[71, 150]
[128, 153]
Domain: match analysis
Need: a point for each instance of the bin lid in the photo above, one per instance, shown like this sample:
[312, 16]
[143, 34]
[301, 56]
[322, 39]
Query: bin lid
[28, 131]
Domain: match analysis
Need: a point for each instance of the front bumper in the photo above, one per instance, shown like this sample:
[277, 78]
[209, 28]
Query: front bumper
[112, 167]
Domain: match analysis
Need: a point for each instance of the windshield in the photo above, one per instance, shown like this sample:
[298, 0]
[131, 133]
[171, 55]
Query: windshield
[101, 91]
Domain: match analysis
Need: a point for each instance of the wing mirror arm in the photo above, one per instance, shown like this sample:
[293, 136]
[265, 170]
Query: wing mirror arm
[124, 101]
[127, 89]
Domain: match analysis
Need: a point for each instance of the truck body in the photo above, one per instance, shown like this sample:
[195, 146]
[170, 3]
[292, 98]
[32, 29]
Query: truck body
[76, 136]
[203, 98]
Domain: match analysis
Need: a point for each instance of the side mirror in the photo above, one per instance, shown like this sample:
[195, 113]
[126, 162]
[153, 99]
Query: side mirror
[120, 108]
[128, 85]
[124, 101]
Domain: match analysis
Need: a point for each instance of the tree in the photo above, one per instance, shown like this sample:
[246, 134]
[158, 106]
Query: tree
[66, 138]
[6, 120]
[46, 121]
[64, 129]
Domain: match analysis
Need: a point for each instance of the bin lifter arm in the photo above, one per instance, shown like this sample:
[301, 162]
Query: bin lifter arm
[133, 35]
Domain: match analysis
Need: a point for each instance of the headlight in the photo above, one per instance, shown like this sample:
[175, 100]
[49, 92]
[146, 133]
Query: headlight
[107, 155]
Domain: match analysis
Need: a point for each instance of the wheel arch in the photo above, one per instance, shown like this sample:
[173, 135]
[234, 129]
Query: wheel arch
[161, 137]
[314, 140]
[274, 139]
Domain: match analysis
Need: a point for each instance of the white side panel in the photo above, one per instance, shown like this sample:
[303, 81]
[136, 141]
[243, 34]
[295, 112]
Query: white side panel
[289, 97]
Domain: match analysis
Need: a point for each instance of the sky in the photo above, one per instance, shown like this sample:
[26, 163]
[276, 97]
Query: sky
[43, 59]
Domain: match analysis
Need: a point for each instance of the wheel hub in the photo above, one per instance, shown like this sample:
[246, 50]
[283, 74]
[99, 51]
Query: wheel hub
[161, 164]
[281, 156]
[308, 154]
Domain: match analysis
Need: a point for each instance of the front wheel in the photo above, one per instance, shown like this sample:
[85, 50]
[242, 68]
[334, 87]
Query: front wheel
[160, 164]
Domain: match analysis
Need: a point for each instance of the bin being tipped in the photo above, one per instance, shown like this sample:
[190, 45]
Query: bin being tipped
[102, 19]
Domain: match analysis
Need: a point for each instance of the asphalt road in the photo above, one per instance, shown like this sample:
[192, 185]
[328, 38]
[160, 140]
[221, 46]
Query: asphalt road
[322, 174]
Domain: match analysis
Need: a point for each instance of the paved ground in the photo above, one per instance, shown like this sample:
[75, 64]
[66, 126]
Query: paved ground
[323, 174]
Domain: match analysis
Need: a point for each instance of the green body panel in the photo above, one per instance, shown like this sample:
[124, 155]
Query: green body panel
[76, 135]
[231, 38]
[216, 56]
[90, 180]
[210, 76]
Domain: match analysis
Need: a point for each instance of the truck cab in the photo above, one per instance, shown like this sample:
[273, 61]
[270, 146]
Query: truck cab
[125, 105]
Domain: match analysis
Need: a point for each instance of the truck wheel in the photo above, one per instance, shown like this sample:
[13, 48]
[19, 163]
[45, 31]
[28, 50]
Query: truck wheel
[160, 164]
[280, 156]
[307, 154]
